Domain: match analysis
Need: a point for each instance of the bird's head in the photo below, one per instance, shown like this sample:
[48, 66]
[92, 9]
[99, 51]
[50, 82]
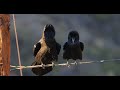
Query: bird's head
[73, 37]
[49, 32]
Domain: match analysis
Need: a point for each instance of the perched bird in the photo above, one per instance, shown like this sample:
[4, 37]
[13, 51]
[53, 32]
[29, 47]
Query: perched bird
[73, 48]
[46, 51]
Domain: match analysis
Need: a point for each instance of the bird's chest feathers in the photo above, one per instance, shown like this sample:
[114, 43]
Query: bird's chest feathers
[75, 48]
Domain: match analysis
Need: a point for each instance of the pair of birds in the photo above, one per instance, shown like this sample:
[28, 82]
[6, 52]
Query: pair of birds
[46, 51]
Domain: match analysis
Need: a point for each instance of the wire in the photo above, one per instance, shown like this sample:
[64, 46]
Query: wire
[62, 64]
[19, 60]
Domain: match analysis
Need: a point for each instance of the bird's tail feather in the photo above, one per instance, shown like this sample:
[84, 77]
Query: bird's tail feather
[40, 71]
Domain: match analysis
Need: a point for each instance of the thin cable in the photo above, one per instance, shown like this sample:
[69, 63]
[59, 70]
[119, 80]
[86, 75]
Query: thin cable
[17, 45]
[63, 64]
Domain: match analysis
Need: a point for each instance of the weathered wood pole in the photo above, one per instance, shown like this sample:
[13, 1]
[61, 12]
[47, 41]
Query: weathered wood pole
[4, 45]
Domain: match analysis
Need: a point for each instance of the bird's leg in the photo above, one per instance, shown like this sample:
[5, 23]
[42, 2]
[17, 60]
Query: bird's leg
[68, 64]
[53, 64]
[75, 62]
[43, 66]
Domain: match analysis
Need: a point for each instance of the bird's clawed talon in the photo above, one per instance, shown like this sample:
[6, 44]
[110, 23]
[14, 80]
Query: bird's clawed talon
[68, 65]
[43, 66]
[52, 64]
[75, 62]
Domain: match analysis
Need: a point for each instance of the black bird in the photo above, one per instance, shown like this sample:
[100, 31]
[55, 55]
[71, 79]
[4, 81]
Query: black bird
[46, 51]
[73, 48]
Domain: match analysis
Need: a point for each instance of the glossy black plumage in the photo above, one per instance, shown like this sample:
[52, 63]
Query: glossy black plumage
[46, 51]
[73, 48]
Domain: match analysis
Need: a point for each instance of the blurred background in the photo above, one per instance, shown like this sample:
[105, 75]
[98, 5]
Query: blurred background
[99, 32]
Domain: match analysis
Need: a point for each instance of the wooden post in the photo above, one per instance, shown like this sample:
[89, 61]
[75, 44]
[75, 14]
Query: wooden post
[4, 45]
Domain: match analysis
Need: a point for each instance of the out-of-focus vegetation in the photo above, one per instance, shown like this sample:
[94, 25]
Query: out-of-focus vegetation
[99, 32]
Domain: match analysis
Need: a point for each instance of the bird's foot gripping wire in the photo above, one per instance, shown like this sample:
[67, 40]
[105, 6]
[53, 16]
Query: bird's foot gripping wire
[43, 65]
[75, 62]
[68, 65]
[53, 64]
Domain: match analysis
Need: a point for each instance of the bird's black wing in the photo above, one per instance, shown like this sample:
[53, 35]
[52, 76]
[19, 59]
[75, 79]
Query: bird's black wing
[82, 46]
[58, 48]
[36, 48]
[65, 46]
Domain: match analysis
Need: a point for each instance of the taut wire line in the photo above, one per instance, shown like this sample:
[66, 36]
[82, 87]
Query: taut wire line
[63, 64]
[19, 60]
